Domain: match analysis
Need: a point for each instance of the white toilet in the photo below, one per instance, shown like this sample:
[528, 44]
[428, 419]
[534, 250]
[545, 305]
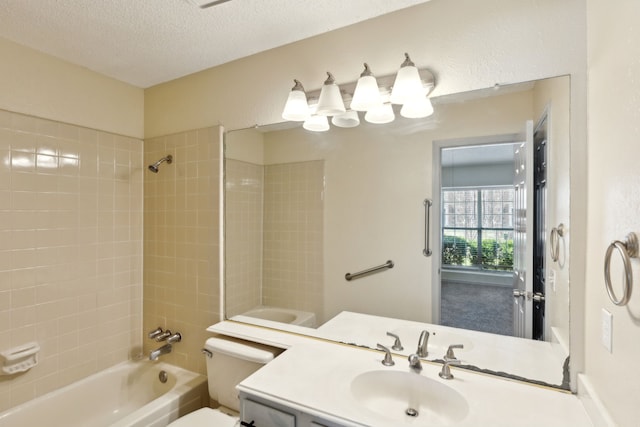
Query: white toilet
[229, 361]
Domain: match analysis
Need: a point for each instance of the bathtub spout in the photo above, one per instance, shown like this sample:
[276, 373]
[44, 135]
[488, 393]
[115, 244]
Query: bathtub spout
[165, 349]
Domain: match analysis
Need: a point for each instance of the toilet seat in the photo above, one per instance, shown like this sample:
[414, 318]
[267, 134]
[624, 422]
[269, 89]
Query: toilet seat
[205, 417]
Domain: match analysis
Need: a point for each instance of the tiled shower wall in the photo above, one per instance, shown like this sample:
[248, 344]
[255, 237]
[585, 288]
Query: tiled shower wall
[181, 249]
[293, 236]
[274, 225]
[70, 250]
[243, 227]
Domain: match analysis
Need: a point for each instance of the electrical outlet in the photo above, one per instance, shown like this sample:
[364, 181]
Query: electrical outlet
[607, 330]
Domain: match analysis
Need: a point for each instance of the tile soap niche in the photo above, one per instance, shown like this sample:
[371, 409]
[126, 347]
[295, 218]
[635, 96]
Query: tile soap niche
[19, 359]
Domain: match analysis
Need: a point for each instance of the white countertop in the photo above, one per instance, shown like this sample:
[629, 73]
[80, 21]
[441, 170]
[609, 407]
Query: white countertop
[315, 376]
[531, 359]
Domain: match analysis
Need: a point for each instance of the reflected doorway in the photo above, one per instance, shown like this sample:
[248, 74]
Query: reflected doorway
[477, 235]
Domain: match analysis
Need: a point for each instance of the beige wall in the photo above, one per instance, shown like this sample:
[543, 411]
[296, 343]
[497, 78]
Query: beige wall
[614, 199]
[553, 95]
[41, 85]
[70, 250]
[181, 241]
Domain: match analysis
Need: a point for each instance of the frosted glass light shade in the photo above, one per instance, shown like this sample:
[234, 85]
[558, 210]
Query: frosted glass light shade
[296, 109]
[407, 85]
[380, 115]
[330, 102]
[417, 109]
[316, 124]
[349, 119]
[367, 94]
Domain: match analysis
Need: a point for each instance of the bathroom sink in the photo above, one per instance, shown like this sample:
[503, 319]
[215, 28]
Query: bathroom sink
[409, 398]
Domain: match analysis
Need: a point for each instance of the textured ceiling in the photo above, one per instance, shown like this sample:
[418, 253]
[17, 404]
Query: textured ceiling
[146, 42]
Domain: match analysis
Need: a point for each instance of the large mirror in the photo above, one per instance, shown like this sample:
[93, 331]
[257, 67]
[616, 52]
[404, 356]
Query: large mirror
[303, 210]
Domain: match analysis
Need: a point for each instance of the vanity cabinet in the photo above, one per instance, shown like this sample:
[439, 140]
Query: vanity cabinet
[264, 413]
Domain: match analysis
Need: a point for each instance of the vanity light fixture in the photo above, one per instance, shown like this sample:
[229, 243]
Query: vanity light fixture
[407, 86]
[417, 109]
[348, 119]
[380, 115]
[330, 102]
[367, 93]
[297, 108]
[375, 97]
[316, 123]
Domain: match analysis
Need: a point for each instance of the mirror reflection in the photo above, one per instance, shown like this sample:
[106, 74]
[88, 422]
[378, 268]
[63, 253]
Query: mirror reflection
[305, 209]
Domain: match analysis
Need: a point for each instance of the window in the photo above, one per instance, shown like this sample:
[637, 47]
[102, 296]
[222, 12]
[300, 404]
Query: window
[477, 231]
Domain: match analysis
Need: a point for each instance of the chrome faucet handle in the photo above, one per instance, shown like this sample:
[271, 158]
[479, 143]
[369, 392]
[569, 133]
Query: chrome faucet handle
[397, 346]
[388, 360]
[163, 336]
[153, 334]
[450, 355]
[445, 373]
[174, 338]
[415, 364]
[422, 344]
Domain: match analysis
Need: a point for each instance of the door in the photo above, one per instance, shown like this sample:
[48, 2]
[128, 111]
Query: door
[540, 233]
[523, 236]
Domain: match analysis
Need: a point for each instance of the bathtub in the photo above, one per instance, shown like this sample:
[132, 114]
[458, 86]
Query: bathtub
[283, 315]
[126, 395]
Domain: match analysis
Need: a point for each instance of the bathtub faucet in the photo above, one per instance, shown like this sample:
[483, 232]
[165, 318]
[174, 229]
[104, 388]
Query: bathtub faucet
[165, 349]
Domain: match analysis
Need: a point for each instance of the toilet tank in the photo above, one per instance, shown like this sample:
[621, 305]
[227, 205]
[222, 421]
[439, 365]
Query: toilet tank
[232, 361]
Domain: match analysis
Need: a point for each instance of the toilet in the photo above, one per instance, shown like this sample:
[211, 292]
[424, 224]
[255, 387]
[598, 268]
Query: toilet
[229, 361]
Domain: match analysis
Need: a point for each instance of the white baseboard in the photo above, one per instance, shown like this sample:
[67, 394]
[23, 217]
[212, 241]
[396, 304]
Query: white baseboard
[592, 404]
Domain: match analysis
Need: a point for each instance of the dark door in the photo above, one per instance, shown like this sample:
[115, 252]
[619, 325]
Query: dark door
[539, 230]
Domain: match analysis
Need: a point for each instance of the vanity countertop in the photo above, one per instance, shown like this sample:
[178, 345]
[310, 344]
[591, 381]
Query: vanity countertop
[316, 377]
[531, 359]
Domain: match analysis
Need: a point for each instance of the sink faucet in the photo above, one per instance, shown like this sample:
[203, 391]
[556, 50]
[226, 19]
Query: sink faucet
[397, 345]
[450, 354]
[165, 349]
[388, 360]
[422, 344]
[445, 373]
[415, 364]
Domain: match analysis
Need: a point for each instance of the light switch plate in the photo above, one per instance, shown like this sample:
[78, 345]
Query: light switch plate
[552, 279]
[607, 330]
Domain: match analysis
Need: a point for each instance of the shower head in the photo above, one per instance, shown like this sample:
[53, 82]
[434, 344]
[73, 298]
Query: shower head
[154, 167]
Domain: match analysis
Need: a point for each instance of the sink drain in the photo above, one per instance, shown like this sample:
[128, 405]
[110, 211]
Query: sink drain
[411, 412]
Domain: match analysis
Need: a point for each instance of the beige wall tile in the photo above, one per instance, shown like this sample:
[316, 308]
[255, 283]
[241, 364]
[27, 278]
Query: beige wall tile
[64, 242]
[181, 235]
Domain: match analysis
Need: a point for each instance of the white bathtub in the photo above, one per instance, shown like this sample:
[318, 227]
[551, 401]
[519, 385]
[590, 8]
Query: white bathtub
[283, 315]
[126, 395]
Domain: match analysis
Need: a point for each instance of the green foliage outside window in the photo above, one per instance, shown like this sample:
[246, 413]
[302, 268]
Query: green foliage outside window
[496, 255]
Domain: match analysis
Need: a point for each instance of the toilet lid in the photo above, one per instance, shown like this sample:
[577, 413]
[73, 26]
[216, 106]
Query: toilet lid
[205, 417]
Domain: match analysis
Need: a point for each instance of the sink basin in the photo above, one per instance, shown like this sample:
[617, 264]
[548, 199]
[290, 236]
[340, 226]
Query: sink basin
[409, 398]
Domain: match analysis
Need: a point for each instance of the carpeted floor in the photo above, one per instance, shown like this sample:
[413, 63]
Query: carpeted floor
[483, 308]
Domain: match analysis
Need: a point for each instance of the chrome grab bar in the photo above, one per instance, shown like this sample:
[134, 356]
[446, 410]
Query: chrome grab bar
[349, 276]
[628, 249]
[427, 219]
[556, 233]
